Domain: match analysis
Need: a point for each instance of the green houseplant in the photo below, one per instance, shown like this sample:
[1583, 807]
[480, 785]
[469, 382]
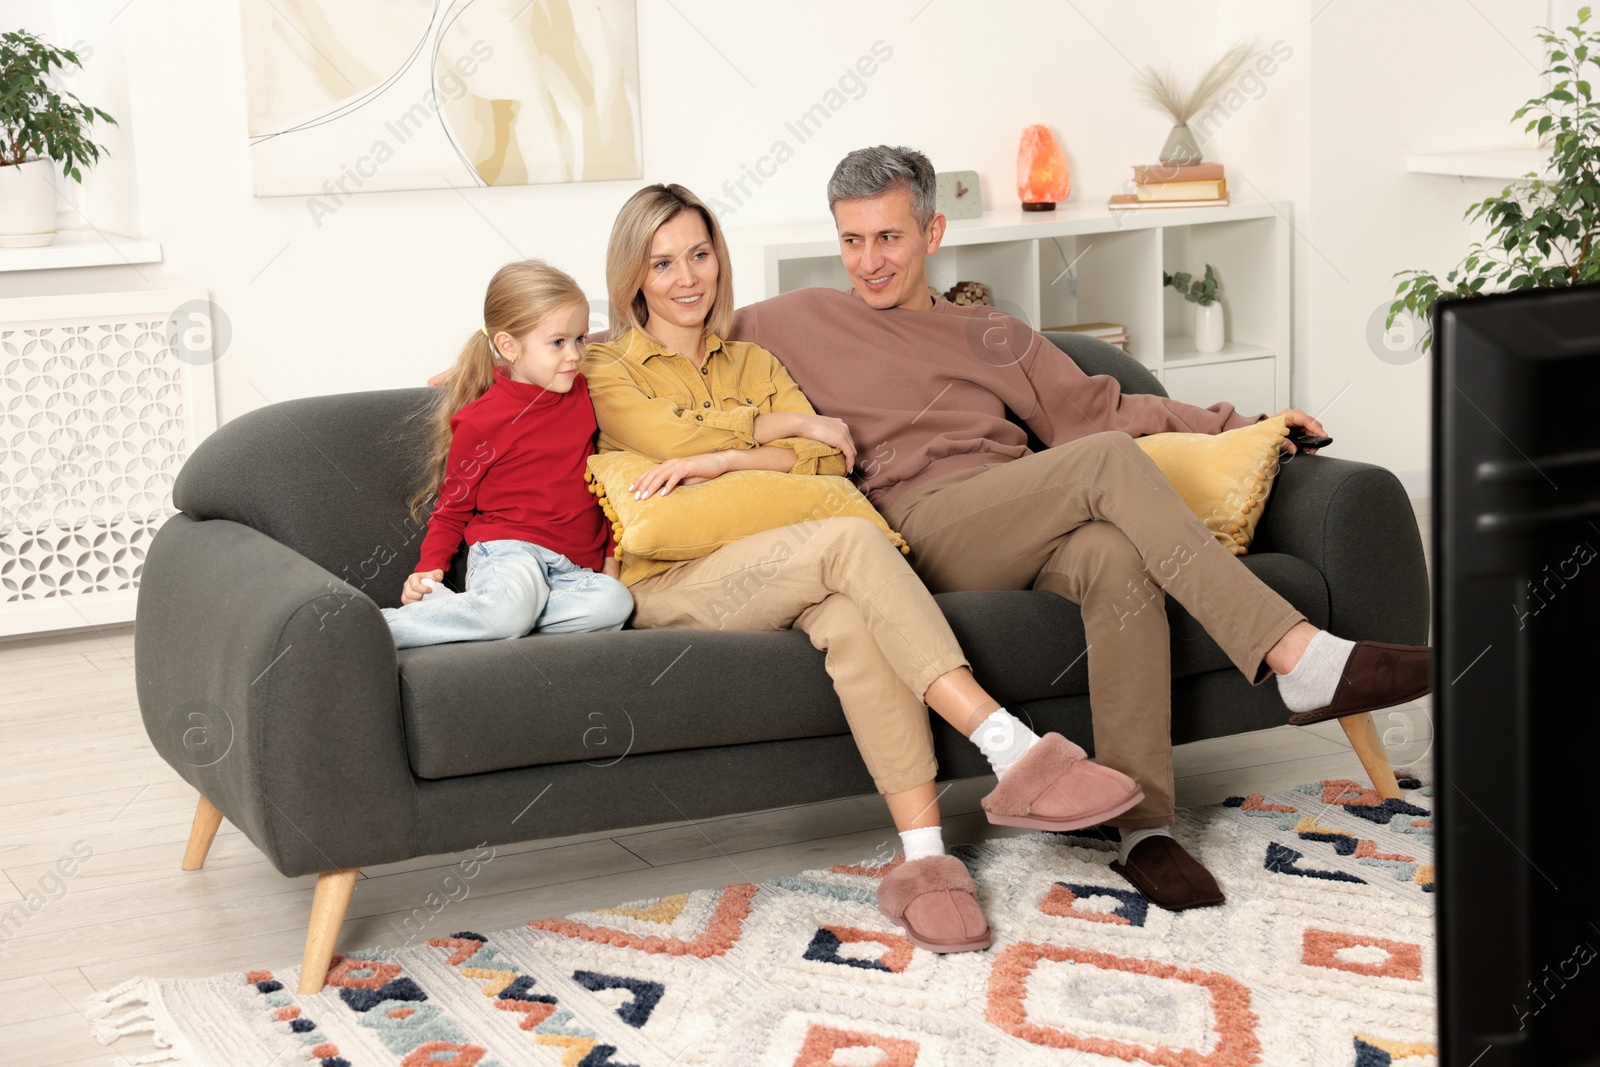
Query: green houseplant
[1201, 292]
[40, 126]
[1544, 231]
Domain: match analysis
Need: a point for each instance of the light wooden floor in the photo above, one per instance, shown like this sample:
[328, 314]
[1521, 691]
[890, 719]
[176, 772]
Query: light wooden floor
[78, 772]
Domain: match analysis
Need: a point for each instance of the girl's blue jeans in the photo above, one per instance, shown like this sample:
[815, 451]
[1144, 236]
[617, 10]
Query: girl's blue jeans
[514, 587]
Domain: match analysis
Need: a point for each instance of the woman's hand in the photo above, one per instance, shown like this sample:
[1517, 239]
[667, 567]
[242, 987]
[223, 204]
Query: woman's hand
[685, 470]
[415, 590]
[611, 568]
[831, 432]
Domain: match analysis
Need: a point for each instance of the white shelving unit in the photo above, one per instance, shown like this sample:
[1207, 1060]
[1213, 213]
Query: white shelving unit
[1117, 262]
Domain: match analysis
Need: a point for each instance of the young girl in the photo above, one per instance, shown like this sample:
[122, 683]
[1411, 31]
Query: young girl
[510, 439]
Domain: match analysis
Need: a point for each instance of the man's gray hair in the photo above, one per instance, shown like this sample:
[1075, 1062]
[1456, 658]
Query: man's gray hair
[868, 173]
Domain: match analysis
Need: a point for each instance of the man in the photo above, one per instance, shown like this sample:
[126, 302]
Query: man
[925, 387]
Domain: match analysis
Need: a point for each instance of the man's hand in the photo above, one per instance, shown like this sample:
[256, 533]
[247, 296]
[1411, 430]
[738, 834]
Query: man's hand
[831, 432]
[685, 470]
[440, 379]
[1296, 417]
[415, 590]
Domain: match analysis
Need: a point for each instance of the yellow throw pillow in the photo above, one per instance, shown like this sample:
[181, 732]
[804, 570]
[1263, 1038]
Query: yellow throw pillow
[1225, 478]
[695, 520]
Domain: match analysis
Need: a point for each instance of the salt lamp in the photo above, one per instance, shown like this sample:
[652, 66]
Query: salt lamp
[1042, 177]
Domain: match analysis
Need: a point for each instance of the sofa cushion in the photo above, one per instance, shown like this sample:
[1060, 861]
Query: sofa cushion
[696, 520]
[559, 698]
[1225, 478]
[596, 698]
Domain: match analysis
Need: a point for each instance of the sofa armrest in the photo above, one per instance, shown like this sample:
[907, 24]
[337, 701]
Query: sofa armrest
[272, 687]
[1353, 522]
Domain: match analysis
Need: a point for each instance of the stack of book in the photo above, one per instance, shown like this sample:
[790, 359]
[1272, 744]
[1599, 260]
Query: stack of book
[1109, 332]
[1161, 185]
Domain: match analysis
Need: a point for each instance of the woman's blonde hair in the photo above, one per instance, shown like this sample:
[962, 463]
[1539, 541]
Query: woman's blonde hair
[628, 257]
[519, 295]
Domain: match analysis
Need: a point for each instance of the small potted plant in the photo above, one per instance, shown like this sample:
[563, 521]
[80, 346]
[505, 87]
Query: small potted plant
[1207, 312]
[39, 125]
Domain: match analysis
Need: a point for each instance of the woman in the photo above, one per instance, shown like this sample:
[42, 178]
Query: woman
[669, 387]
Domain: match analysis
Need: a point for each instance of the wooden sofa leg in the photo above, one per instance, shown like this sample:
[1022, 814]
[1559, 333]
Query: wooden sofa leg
[1363, 735]
[327, 915]
[201, 833]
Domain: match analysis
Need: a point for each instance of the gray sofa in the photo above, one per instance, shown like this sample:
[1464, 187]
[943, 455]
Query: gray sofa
[268, 679]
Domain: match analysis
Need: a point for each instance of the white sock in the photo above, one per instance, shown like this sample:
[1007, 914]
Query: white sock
[922, 842]
[436, 589]
[1004, 739]
[1312, 683]
[1133, 837]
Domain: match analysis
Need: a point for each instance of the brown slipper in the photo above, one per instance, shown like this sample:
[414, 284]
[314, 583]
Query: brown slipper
[935, 901]
[1168, 876]
[1377, 675]
[1056, 787]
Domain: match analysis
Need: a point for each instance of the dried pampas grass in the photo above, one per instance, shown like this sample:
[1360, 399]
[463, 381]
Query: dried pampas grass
[1161, 90]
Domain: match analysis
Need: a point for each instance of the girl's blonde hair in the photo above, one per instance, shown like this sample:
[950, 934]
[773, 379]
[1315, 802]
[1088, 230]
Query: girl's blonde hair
[628, 257]
[519, 295]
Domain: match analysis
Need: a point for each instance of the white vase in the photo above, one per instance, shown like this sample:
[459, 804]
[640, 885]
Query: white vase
[1208, 327]
[28, 204]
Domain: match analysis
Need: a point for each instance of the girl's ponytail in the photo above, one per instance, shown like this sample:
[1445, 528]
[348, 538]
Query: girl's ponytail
[519, 295]
[469, 379]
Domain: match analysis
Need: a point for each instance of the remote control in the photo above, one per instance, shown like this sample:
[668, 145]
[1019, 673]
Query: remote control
[1303, 439]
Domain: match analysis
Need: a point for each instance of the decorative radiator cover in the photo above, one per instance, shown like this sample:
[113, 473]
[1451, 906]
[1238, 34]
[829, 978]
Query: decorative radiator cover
[102, 398]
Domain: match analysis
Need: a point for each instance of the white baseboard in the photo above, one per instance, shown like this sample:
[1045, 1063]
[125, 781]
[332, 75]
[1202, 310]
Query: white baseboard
[48, 614]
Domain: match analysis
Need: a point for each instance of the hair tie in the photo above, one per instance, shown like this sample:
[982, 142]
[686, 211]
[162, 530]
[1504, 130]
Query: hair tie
[485, 329]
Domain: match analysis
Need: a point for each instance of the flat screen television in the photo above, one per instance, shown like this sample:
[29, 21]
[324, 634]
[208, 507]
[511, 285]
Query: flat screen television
[1516, 599]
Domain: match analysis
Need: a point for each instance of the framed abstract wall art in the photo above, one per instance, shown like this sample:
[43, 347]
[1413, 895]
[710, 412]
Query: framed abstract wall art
[349, 96]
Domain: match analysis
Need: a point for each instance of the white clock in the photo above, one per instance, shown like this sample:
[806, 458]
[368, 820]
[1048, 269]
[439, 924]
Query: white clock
[959, 197]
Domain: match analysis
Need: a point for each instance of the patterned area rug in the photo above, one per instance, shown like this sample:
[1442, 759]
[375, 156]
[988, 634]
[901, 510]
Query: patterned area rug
[1323, 955]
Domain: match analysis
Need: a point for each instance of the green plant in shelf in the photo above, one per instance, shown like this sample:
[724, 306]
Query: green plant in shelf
[37, 120]
[1544, 232]
[1202, 292]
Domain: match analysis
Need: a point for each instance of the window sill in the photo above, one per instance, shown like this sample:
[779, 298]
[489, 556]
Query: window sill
[81, 248]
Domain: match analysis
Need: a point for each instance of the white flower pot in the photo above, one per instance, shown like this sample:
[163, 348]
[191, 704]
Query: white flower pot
[1208, 327]
[28, 204]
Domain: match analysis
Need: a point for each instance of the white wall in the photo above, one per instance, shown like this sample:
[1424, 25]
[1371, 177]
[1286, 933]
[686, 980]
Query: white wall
[381, 293]
[1389, 80]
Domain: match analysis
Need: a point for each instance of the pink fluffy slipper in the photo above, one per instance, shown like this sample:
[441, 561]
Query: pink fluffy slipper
[1056, 787]
[936, 901]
